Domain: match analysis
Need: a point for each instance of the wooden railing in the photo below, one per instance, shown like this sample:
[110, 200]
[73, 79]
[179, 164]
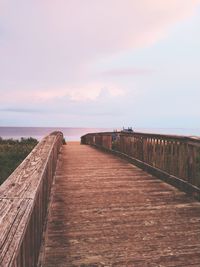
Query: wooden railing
[173, 158]
[24, 198]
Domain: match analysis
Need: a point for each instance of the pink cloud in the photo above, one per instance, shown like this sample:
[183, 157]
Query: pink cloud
[110, 26]
[72, 34]
[89, 92]
[127, 71]
[57, 43]
[84, 29]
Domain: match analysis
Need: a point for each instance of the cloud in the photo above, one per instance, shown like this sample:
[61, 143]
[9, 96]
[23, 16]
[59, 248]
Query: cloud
[100, 29]
[20, 110]
[127, 71]
[49, 49]
[54, 42]
[87, 93]
[92, 93]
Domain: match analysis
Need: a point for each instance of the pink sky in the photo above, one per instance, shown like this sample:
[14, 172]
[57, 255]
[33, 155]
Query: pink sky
[63, 55]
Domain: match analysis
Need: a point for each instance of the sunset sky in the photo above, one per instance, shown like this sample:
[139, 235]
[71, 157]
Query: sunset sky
[100, 63]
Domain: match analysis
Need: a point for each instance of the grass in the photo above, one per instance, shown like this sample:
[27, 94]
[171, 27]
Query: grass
[12, 153]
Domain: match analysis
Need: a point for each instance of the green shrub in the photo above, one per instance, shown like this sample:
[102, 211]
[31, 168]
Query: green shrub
[12, 153]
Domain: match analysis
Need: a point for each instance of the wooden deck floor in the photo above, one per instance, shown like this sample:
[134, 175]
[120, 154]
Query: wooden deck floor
[107, 212]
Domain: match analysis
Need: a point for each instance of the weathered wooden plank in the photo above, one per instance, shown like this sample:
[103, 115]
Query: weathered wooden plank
[15, 215]
[107, 212]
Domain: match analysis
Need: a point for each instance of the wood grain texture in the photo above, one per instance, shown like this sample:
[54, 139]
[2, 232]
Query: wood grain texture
[106, 212]
[24, 198]
[176, 155]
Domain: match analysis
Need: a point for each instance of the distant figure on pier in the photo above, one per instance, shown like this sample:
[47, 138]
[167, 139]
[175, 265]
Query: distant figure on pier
[128, 130]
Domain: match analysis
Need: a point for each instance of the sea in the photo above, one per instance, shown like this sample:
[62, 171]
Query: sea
[70, 133]
[74, 134]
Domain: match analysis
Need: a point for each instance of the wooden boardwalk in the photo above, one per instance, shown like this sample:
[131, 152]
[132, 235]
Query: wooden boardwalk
[107, 212]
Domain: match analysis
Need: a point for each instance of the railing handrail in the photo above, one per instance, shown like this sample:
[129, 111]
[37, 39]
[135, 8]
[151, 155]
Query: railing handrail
[183, 138]
[24, 200]
[186, 139]
[173, 158]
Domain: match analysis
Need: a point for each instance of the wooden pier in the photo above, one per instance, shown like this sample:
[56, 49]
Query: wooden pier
[106, 212]
[103, 210]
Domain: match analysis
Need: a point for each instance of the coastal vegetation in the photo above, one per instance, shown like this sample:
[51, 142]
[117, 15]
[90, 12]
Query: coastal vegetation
[12, 153]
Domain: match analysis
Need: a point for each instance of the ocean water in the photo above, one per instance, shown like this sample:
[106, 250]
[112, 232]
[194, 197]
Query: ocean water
[192, 132]
[70, 134]
[74, 134]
